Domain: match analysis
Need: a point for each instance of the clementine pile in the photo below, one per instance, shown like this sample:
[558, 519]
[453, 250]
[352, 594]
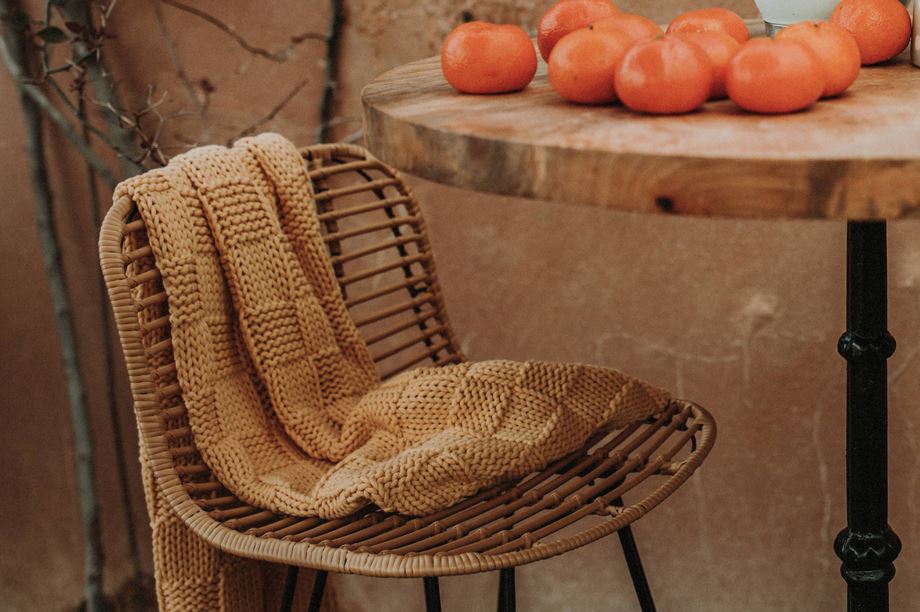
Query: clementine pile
[597, 54]
[881, 27]
[568, 16]
[487, 58]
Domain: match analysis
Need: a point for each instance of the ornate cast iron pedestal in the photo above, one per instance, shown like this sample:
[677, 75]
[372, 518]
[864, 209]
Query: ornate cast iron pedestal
[867, 546]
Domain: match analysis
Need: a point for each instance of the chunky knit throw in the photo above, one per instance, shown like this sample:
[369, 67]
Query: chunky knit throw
[282, 395]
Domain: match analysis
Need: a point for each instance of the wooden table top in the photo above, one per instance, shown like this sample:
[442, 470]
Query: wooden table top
[855, 157]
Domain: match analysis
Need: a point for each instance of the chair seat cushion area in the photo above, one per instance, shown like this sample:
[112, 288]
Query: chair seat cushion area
[572, 502]
[438, 435]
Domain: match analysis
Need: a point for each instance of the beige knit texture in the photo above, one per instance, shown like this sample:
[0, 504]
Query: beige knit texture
[282, 396]
[191, 575]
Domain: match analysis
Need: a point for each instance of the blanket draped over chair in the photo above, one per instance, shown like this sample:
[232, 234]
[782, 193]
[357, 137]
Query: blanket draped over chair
[282, 395]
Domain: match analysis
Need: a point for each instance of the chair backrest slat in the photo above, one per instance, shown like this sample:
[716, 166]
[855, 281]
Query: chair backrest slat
[379, 249]
[380, 252]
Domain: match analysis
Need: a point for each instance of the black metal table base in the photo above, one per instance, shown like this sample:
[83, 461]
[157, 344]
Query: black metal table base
[506, 590]
[867, 546]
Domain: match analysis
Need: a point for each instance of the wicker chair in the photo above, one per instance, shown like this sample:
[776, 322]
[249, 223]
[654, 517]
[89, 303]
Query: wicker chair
[380, 252]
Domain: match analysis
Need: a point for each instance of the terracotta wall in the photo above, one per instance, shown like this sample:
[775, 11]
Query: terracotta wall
[740, 316]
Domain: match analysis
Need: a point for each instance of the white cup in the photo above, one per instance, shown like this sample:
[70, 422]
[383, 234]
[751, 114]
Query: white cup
[777, 14]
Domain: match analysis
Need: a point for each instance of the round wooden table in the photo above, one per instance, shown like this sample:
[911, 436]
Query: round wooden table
[856, 158]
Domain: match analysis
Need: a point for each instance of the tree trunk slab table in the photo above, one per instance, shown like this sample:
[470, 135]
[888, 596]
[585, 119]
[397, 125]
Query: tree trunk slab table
[855, 158]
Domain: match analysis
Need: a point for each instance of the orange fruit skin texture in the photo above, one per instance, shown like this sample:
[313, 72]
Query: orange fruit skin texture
[834, 46]
[775, 76]
[881, 27]
[636, 26]
[488, 58]
[665, 76]
[712, 20]
[568, 16]
[720, 48]
[582, 66]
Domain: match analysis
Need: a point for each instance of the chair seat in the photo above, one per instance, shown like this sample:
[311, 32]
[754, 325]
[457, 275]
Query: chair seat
[574, 501]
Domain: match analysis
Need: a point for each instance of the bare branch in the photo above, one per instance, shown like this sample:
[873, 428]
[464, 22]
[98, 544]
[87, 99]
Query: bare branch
[14, 51]
[327, 105]
[276, 56]
[108, 363]
[354, 137]
[130, 166]
[149, 143]
[274, 111]
[104, 90]
[39, 98]
[335, 121]
[191, 91]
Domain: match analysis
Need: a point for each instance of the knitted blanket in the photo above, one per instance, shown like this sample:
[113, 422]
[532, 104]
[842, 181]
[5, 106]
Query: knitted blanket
[282, 395]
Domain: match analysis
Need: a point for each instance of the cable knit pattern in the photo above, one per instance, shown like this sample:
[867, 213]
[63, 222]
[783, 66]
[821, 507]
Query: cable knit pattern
[282, 395]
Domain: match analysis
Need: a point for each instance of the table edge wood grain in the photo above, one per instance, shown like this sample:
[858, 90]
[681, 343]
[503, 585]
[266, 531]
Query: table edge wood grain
[861, 162]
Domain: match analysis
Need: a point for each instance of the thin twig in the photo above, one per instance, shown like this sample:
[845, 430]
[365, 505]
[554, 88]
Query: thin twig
[335, 121]
[149, 143]
[108, 365]
[276, 56]
[38, 97]
[75, 109]
[354, 137]
[104, 90]
[12, 39]
[14, 52]
[70, 134]
[274, 111]
[327, 105]
[85, 61]
[129, 167]
[201, 108]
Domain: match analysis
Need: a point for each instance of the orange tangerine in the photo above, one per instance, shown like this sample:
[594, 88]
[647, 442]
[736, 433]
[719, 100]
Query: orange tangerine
[834, 46]
[712, 20]
[881, 27]
[636, 26]
[664, 76]
[487, 58]
[775, 76]
[582, 66]
[568, 16]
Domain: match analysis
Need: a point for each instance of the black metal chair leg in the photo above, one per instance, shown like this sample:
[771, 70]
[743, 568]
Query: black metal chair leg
[319, 587]
[290, 586]
[634, 563]
[506, 596]
[432, 595]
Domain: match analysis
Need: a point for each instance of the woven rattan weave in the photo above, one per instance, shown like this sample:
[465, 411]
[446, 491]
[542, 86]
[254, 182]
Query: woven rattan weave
[377, 240]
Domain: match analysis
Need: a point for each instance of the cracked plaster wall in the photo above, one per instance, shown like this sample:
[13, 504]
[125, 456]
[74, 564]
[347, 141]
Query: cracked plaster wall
[742, 317]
